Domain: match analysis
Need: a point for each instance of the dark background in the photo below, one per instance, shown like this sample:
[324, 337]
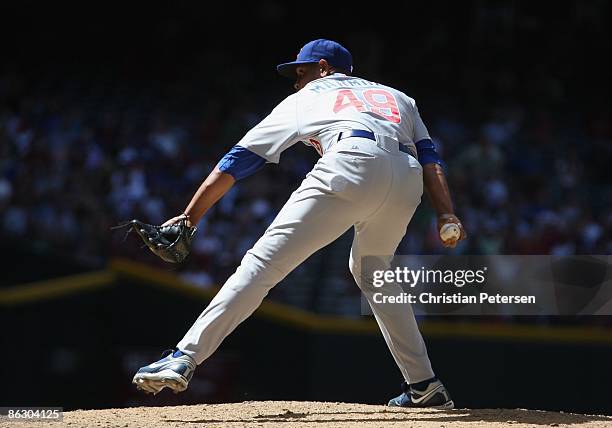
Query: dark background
[110, 111]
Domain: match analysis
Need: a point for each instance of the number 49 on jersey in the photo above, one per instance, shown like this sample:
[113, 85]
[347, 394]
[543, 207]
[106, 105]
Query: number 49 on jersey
[377, 101]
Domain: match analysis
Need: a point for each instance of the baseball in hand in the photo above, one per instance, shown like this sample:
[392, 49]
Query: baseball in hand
[450, 231]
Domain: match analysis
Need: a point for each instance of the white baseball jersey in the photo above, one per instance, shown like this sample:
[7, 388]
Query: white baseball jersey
[324, 107]
[373, 188]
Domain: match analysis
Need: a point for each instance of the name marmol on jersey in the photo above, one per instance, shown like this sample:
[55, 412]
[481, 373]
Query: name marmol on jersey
[324, 84]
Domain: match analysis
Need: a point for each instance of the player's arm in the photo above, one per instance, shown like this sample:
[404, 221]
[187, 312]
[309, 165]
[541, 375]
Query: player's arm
[436, 186]
[434, 179]
[237, 164]
[210, 191]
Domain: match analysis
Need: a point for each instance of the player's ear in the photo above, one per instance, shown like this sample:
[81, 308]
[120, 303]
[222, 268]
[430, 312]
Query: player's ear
[324, 68]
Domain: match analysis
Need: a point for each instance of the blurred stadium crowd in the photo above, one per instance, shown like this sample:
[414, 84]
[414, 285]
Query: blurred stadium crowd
[78, 156]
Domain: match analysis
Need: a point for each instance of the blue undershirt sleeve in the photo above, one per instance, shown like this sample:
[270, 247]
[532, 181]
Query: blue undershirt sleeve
[426, 152]
[240, 162]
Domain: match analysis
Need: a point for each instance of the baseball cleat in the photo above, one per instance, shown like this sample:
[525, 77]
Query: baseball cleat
[430, 393]
[173, 371]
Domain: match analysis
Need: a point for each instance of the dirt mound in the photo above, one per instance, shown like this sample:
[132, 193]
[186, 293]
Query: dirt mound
[304, 414]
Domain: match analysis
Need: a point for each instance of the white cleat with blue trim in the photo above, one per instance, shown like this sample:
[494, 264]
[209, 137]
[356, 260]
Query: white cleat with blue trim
[173, 371]
[430, 393]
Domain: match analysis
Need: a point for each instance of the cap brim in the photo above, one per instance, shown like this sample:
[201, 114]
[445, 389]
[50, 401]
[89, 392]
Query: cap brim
[288, 69]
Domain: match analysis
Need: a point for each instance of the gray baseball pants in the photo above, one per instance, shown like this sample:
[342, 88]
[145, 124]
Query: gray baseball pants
[372, 186]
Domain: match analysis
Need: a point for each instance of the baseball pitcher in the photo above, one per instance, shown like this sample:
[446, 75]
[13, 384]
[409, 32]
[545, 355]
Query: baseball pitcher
[376, 156]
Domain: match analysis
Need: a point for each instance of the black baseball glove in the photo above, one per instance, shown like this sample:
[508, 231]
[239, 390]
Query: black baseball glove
[171, 243]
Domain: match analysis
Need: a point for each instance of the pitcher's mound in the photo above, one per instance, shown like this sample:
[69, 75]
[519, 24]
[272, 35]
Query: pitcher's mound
[304, 414]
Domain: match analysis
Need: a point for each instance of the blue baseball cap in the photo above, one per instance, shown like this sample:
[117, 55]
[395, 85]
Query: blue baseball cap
[336, 55]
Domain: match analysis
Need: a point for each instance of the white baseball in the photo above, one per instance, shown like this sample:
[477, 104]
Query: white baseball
[450, 231]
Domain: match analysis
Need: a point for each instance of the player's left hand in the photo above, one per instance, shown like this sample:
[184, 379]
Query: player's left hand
[178, 219]
[451, 218]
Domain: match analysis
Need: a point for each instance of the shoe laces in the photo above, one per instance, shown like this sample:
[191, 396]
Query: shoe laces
[168, 352]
